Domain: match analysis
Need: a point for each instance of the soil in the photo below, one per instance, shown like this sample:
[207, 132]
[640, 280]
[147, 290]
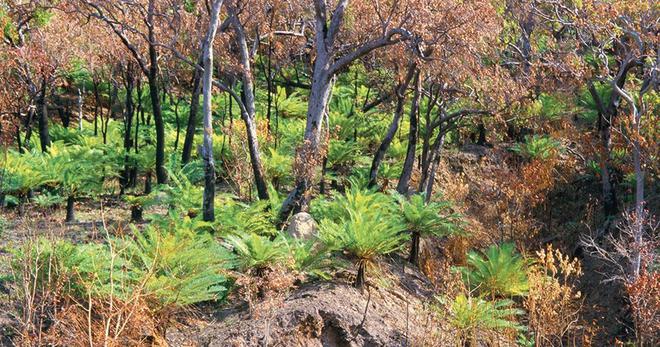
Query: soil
[392, 311]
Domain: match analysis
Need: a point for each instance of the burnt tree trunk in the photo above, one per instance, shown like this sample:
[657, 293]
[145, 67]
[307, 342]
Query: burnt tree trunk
[408, 165]
[394, 126]
[44, 137]
[413, 257]
[192, 116]
[152, 76]
[70, 206]
[360, 279]
[128, 125]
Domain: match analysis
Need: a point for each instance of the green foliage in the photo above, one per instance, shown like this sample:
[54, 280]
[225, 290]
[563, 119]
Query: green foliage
[170, 268]
[184, 266]
[497, 272]
[537, 147]
[343, 153]
[549, 107]
[277, 165]
[76, 168]
[355, 199]
[46, 200]
[180, 194]
[425, 219]
[310, 257]
[237, 218]
[22, 172]
[289, 106]
[66, 135]
[42, 17]
[362, 224]
[472, 315]
[589, 106]
[258, 252]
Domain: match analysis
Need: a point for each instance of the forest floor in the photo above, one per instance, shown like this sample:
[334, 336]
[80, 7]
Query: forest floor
[394, 311]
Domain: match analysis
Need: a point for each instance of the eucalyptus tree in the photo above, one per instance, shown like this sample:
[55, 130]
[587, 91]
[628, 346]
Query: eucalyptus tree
[207, 85]
[336, 46]
[144, 28]
[612, 48]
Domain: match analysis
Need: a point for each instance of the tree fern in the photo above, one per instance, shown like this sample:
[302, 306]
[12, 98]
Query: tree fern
[255, 252]
[498, 272]
[423, 219]
[363, 226]
[473, 315]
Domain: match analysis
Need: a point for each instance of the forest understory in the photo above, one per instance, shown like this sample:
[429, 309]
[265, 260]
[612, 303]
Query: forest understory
[329, 173]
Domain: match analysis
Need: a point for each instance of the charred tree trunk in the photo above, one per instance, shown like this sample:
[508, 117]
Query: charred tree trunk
[128, 126]
[408, 165]
[44, 137]
[610, 206]
[360, 279]
[70, 206]
[435, 162]
[192, 116]
[394, 126]
[413, 257]
[97, 104]
[161, 174]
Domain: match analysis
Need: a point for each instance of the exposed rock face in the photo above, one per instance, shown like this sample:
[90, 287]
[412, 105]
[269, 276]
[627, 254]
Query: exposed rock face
[302, 226]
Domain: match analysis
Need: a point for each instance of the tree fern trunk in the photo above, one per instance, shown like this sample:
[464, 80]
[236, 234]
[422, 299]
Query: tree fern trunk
[414, 249]
[70, 213]
[360, 278]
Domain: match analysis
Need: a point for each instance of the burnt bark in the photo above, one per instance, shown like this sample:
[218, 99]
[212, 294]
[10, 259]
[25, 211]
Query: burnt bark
[128, 124]
[192, 116]
[70, 212]
[42, 109]
[360, 279]
[413, 257]
[408, 165]
[394, 126]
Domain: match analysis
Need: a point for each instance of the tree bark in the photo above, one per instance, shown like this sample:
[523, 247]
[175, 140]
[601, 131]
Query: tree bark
[70, 213]
[394, 126]
[326, 66]
[152, 76]
[249, 110]
[207, 147]
[192, 117]
[44, 137]
[413, 257]
[360, 280]
[404, 180]
[128, 124]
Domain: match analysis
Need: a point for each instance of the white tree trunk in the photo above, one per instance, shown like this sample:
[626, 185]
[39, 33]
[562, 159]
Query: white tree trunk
[207, 85]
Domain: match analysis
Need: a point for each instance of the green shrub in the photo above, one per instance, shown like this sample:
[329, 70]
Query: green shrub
[237, 218]
[310, 257]
[255, 252]
[362, 224]
[537, 147]
[422, 219]
[166, 268]
[470, 316]
[498, 272]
